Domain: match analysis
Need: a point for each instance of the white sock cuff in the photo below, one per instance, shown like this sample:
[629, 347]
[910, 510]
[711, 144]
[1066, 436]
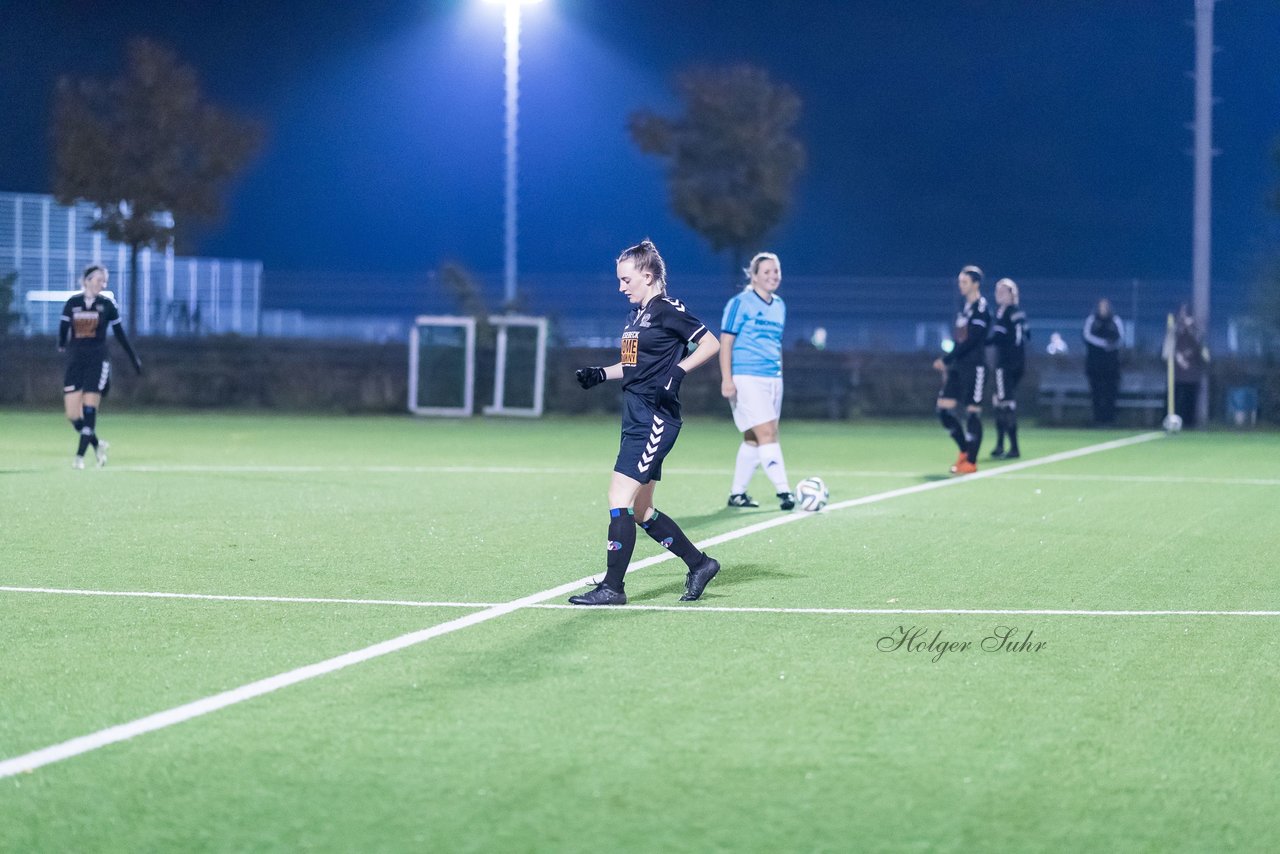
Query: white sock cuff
[774, 467]
[744, 467]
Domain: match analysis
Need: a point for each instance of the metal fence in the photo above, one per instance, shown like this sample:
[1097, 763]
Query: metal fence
[885, 313]
[48, 245]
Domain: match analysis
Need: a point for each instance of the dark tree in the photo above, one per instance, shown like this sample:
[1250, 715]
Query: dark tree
[148, 150]
[733, 158]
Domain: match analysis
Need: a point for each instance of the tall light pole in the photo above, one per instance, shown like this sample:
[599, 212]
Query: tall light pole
[1202, 210]
[512, 64]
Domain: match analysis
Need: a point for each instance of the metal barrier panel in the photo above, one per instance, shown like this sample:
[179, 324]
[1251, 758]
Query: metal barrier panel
[48, 244]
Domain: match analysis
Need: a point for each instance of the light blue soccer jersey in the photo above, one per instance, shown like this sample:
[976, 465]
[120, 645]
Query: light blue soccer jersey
[757, 349]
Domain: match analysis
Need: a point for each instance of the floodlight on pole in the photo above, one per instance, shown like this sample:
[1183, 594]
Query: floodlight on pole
[511, 30]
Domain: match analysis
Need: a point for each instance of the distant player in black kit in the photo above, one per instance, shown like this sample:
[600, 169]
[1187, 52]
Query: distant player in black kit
[654, 361]
[82, 332]
[1009, 338]
[965, 371]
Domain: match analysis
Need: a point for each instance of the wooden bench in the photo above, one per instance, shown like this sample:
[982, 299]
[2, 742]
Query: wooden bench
[1145, 391]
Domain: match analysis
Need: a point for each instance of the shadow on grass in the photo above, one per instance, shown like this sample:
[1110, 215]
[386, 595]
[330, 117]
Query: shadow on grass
[748, 516]
[730, 575]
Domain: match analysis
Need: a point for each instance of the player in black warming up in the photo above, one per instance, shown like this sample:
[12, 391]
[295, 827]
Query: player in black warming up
[964, 370]
[1009, 337]
[654, 361]
[82, 332]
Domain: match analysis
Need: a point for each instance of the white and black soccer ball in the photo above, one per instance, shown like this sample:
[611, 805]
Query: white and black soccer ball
[812, 494]
[1172, 422]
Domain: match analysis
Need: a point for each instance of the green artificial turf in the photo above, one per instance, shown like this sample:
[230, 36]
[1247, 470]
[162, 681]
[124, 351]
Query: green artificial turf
[683, 729]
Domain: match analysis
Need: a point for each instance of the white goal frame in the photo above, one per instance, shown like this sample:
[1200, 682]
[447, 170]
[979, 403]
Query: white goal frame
[503, 322]
[468, 325]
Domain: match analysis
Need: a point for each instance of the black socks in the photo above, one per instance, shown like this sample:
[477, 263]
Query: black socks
[622, 542]
[974, 429]
[85, 427]
[952, 424]
[666, 533]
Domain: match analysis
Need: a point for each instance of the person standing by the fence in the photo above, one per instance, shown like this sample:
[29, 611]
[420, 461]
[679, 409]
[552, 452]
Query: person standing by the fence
[1185, 345]
[964, 370]
[1009, 337]
[1103, 338]
[654, 361]
[751, 378]
[82, 332]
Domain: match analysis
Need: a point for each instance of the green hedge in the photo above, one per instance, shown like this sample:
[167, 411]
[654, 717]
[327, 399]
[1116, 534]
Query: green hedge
[292, 375]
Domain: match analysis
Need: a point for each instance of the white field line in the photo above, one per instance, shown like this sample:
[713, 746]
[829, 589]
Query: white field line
[890, 612]
[150, 594]
[552, 470]
[161, 720]
[725, 609]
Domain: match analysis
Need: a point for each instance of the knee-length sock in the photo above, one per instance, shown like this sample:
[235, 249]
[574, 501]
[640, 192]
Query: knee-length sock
[744, 467]
[666, 533]
[622, 542]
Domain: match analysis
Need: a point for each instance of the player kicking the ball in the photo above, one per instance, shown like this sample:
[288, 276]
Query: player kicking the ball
[652, 366]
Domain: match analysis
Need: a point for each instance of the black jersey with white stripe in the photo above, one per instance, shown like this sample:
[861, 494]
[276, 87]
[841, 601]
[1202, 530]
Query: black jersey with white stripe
[1009, 337]
[83, 327]
[972, 324]
[656, 337]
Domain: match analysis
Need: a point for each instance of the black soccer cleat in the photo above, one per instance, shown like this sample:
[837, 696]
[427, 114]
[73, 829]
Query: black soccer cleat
[601, 595]
[741, 499]
[698, 578]
[786, 500]
[997, 454]
[1012, 455]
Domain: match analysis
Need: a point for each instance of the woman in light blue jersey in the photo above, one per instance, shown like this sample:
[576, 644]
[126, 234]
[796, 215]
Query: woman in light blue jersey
[751, 372]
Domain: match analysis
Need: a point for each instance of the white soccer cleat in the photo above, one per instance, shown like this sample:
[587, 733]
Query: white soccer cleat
[101, 452]
[77, 463]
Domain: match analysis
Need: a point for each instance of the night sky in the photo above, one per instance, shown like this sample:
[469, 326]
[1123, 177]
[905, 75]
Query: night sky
[1042, 138]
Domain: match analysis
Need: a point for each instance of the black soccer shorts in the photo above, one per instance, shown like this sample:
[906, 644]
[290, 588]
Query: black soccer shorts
[87, 373]
[647, 437]
[965, 384]
[1007, 380]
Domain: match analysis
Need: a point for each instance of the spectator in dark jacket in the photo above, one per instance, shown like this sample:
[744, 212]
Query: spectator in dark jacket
[1103, 338]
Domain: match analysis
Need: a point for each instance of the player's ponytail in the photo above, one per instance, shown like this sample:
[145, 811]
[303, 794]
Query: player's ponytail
[644, 255]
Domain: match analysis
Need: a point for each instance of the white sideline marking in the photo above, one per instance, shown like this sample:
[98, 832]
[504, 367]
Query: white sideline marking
[1154, 478]
[147, 594]
[881, 612]
[723, 609]
[160, 720]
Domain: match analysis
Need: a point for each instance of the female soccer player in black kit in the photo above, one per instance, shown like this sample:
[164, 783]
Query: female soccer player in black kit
[1009, 337]
[83, 333]
[654, 361]
[964, 369]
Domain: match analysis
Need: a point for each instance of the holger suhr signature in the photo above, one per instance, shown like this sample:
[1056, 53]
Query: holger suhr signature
[932, 643]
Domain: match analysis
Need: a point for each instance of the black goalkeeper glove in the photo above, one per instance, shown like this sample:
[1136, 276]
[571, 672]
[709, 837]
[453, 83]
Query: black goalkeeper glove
[669, 392]
[589, 377]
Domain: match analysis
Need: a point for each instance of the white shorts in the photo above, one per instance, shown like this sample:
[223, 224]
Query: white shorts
[759, 399]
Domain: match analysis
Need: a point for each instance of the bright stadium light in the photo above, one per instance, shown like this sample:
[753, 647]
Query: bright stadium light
[512, 35]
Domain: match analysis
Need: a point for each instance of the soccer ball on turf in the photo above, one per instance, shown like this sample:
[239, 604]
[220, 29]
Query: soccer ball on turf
[811, 494]
[1172, 423]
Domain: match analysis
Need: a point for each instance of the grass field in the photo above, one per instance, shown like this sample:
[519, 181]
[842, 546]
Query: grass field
[806, 703]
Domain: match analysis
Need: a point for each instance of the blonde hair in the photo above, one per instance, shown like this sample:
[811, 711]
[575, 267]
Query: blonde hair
[1012, 286]
[760, 257]
[974, 272]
